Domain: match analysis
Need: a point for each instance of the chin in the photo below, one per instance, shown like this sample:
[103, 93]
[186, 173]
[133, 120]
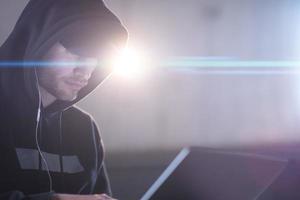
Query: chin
[70, 99]
[67, 97]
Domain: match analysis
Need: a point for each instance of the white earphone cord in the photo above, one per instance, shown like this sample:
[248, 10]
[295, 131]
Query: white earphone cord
[36, 137]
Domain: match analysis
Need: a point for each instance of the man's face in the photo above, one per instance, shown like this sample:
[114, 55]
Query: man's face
[61, 82]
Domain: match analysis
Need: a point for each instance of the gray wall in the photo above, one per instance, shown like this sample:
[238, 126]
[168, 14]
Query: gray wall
[9, 12]
[170, 109]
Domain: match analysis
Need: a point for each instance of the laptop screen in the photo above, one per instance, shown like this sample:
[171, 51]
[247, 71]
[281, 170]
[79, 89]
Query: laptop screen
[201, 173]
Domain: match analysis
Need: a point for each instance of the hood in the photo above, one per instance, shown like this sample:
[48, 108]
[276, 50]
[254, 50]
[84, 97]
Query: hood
[87, 24]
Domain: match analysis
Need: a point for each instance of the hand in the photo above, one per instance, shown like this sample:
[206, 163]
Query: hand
[81, 197]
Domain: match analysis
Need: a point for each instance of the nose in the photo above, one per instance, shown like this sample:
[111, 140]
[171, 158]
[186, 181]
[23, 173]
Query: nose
[83, 73]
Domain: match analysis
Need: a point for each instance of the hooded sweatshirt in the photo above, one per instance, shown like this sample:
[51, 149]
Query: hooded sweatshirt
[56, 149]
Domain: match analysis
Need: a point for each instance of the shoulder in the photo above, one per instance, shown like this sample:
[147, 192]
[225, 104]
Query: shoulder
[76, 113]
[78, 118]
[75, 110]
[78, 123]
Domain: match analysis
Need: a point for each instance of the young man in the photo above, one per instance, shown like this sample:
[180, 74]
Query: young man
[49, 148]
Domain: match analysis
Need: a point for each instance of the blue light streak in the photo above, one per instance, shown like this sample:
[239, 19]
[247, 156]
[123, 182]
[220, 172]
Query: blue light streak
[46, 64]
[183, 62]
[194, 62]
[202, 65]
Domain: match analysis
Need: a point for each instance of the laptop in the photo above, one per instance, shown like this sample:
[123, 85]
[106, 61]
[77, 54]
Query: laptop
[209, 174]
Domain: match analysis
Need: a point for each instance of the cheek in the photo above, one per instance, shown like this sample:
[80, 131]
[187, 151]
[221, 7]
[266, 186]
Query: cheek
[60, 74]
[43, 77]
[64, 72]
[51, 78]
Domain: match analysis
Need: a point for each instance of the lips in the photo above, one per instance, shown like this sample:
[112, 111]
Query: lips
[77, 85]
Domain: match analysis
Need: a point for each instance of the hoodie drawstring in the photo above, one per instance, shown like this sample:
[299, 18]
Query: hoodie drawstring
[62, 178]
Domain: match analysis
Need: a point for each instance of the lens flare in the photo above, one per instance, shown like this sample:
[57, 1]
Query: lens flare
[129, 63]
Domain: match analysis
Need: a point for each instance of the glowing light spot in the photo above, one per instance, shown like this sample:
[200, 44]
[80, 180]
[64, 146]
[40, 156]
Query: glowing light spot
[130, 63]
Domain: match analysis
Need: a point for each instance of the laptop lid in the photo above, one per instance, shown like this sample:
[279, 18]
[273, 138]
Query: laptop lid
[286, 185]
[201, 173]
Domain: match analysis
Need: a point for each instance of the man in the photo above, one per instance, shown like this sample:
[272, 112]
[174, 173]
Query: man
[49, 148]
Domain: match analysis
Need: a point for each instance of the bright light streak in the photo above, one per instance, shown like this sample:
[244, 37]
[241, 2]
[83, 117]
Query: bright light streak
[47, 64]
[130, 63]
[194, 62]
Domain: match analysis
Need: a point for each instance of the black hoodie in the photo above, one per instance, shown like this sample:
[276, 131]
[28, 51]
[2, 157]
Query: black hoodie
[68, 138]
